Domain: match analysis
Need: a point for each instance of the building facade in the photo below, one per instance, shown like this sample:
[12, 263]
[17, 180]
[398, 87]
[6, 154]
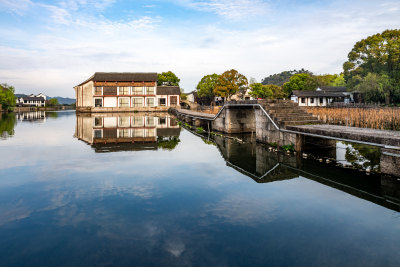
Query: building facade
[322, 96]
[110, 92]
[32, 100]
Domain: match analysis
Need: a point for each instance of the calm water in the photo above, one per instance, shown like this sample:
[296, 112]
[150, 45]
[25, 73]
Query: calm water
[138, 190]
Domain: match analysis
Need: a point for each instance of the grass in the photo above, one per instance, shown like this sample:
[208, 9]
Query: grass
[387, 118]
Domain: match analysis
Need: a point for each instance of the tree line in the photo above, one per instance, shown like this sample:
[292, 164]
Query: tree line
[372, 69]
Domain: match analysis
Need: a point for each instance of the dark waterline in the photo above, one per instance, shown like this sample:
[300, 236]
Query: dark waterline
[73, 196]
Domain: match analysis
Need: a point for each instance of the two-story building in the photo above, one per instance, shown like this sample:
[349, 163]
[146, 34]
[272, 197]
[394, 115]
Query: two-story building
[125, 91]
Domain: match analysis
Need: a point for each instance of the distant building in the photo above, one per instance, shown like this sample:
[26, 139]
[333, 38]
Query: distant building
[322, 96]
[32, 100]
[242, 96]
[125, 91]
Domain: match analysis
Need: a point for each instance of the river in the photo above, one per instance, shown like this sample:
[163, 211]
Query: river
[141, 190]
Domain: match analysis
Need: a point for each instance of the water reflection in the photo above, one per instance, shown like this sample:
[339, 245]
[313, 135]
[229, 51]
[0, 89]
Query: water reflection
[263, 166]
[32, 116]
[127, 132]
[7, 124]
[61, 203]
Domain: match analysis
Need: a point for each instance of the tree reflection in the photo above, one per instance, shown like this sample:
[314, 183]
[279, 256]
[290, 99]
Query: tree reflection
[7, 124]
[167, 143]
[363, 156]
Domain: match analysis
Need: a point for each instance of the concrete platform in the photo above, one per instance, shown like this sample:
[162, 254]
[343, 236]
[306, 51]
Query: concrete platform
[384, 137]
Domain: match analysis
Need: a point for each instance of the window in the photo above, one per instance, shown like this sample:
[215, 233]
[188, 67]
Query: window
[98, 102]
[303, 100]
[124, 102]
[149, 121]
[150, 132]
[124, 90]
[98, 90]
[137, 121]
[137, 133]
[123, 133]
[137, 90]
[110, 90]
[97, 133]
[149, 102]
[98, 122]
[123, 121]
[161, 102]
[312, 100]
[137, 102]
[163, 121]
[321, 100]
[150, 90]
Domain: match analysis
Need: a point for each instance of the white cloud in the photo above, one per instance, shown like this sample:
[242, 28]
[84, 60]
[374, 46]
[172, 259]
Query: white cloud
[230, 9]
[18, 7]
[56, 59]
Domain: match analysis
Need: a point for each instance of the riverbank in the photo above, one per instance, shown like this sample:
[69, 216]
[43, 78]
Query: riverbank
[27, 109]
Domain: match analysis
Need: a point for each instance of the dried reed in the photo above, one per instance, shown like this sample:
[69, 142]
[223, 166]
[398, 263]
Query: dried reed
[376, 118]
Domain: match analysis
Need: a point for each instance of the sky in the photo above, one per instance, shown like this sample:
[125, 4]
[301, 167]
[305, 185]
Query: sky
[51, 46]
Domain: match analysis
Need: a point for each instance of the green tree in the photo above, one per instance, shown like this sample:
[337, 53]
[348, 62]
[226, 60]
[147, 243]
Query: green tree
[207, 85]
[229, 83]
[283, 77]
[338, 80]
[302, 81]
[52, 102]
[379, 54]
[7, 97]
[269, 91]
[168, 78]
[376, 88]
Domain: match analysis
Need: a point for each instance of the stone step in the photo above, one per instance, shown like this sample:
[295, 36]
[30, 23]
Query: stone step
[302, 122]
[298, 118]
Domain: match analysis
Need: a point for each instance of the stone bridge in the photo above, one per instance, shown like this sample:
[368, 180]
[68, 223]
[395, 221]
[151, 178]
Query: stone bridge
[284, 123]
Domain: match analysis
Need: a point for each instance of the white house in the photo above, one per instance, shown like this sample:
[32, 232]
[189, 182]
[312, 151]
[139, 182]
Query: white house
[322, 96]
[32, 100]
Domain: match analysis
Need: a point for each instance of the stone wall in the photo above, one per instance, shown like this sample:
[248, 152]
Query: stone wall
[266, 132]
[390, 162]
[235, 120]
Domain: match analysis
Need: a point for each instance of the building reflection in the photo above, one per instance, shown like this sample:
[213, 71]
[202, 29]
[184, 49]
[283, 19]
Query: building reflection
[263, 166]
[127, 132]
[33, 116]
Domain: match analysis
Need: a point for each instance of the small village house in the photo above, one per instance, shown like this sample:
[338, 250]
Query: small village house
[125, 91]
[32, 100]
[322, 96]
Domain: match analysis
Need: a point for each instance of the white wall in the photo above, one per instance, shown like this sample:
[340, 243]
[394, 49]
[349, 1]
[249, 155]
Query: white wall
[110, 102]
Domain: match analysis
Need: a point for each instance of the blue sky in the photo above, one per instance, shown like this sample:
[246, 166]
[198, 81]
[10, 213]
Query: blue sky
[50, 46]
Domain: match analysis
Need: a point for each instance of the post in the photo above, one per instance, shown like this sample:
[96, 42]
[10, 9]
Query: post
[299, 143]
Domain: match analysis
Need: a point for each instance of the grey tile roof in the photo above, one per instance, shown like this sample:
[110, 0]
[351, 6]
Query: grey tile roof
[29, 98]
[307, 93]
[123, 77]
[334, 88]
[168, 90]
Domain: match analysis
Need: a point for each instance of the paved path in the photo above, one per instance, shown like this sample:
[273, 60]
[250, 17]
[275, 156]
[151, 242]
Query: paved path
[384, 137]
[206, 116]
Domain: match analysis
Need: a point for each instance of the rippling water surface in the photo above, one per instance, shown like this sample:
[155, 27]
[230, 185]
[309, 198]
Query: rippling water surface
[139, 190]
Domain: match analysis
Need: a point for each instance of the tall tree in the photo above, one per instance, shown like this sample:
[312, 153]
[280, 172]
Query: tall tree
[302, 81]
[379, 54]
[229, 83]
[207, 85]
[269, 91]
[282, 77]
[7, 97]
[168, 78]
